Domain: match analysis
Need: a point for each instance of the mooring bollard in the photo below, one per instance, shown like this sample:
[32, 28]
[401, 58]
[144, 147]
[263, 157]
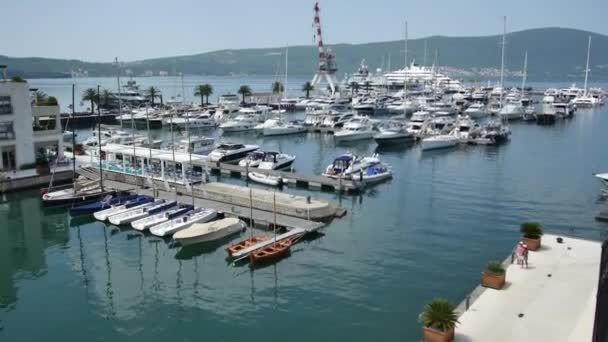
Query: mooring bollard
[467, 303]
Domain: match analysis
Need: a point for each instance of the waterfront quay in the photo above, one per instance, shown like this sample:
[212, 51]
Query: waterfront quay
[554, 299]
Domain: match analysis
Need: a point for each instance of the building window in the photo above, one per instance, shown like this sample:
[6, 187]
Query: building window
[5, 105]
[6, 131]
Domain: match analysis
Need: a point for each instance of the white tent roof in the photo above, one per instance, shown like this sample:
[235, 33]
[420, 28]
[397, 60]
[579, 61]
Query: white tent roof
[144, 152]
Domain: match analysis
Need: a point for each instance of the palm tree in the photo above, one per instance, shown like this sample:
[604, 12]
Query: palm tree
[90, 94]
[245, 91]
[40, 97]
[152, 94]
[354, 87]
[308, 87]
[203, 90]
[277, 87]
[106, 95]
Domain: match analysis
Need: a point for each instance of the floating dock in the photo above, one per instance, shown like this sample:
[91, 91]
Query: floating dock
[290, 178]
[552, 300]
[292, 211]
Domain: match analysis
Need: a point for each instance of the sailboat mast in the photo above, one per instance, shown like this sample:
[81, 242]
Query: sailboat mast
[274, 211]
[118, 90]
[502, 60]
[525, 74]
[587, 67]
[251, 213]
[424, 56]
[405, 74]
[73, 135]
[189, 152]
[286, 65]
[99, 139]
[150, 152]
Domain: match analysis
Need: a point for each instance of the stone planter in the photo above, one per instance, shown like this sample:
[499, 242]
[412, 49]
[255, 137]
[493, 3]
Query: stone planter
[434, 335]
[533, 244]
[493, 281]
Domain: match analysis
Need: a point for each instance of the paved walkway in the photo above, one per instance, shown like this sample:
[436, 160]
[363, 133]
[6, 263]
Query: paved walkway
[556, 296]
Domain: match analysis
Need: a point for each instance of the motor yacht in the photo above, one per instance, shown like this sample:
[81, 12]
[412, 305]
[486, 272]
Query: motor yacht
[231, 152]
[476, 111]
[253, 159]
[347, 165]
[240, 123]
[358, 128]
[439, 141]
[280, 127]
[393, 132]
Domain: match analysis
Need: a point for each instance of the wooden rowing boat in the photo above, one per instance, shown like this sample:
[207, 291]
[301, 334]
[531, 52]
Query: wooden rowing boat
[272, 251]
[244, 244]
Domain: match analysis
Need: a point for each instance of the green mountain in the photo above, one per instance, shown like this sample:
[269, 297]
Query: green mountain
[553, 53]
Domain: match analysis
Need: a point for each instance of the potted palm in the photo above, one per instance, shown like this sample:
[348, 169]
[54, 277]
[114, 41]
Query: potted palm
[532, 232]
[493, 275]
[439, 319]
[42, 163]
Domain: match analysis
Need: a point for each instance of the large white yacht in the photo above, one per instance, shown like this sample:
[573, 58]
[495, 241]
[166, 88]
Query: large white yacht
[193, 120]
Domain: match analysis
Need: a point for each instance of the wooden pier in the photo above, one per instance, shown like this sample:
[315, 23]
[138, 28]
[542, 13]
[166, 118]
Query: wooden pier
[290, 178]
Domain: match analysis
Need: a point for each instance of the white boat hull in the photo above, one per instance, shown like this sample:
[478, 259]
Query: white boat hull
[283, 131]
[171, 227]
[126, 216]
[353, 137]
[211, 235]
[435, 144]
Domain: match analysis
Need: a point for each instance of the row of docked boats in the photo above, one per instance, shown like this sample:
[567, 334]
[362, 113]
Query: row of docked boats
[183, 224]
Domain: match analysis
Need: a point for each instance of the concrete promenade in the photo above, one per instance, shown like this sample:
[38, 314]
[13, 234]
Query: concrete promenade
[552, 300]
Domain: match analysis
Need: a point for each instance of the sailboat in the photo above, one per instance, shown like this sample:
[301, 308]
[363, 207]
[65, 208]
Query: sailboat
[586, 100]
[252, 239]
[513, 109]
[276, 249]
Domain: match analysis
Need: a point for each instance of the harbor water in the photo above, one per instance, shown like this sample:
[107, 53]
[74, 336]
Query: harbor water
[426, 233]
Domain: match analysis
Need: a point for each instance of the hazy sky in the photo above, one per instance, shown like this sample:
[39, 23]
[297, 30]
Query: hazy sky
[95, 30]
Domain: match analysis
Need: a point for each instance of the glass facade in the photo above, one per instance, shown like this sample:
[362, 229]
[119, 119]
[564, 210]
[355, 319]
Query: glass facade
[6, 131]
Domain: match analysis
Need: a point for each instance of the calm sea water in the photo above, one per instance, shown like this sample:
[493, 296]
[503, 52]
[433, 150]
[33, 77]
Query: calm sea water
[426, 233]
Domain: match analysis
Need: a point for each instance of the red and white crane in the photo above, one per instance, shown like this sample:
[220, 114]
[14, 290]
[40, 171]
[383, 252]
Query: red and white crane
[327, 64]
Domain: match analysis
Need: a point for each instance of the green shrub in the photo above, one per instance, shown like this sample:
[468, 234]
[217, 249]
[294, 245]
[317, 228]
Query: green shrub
[531, 230]
[439, 314]
[494, 268]
[17, 79]
[51, 101]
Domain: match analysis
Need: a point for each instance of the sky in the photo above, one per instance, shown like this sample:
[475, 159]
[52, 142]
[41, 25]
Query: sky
[98, 31]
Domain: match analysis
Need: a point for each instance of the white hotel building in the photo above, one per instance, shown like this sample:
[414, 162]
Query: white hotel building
[26, 128]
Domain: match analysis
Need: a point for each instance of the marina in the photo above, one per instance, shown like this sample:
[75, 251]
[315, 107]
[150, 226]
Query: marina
[408, 199]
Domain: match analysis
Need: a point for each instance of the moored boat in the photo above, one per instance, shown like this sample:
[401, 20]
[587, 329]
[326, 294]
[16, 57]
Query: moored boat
[273, 251]
[107, 202]
[156, 207]
[235, 247]
[105, 214]
[153, 220]
[172, 226]
[204, 232]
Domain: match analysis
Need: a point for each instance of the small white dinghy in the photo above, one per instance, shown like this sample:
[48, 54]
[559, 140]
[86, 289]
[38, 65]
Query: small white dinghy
[265, 179]
[203, 232]
[133, 215]
[199, 215]
[122, 217]
[439, 141]
[153, 220]
[106, 213]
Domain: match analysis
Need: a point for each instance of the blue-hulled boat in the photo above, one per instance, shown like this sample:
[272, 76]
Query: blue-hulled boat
[105, 203]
